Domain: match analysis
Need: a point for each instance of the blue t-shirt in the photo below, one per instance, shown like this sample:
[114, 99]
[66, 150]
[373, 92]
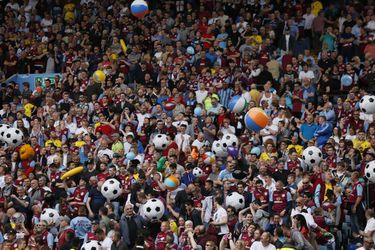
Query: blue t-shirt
[81, 226]
[308, 131]
[225, 174]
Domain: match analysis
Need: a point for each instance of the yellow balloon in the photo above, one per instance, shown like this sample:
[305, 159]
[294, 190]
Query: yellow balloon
[123, 46]
[98, 76]
[173, 226]
[69, 16]
[114, 57]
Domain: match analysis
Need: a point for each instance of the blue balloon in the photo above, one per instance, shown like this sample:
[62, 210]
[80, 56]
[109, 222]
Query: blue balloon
[346, 80]
[130, 156]
[198, 111]
[190, 50]
[255, 150]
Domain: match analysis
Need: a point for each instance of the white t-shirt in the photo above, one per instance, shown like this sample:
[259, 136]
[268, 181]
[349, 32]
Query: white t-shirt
[309, 18]
[309, 74]
[219, 215]
[200, 95]
[182, 140]
[371, 26]
[267, 133]
[229, 130]
[257, 245]
[141, 118]
[198, 144]
[106, 243]
[370, 227]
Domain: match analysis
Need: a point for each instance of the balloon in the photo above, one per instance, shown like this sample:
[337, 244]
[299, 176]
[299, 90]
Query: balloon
[198, 111]
[346, 80]
[161, 164]
[237, 104]
[233, 151]
[123, 46]
[130, 156]
[255, 151]
[172, 183]
[98, 76]
[139, 8]
[190, 50]
[169, 106]
[256, 119]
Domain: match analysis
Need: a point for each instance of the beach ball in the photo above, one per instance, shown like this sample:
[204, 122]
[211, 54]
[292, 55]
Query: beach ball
[208, 158]
[169, 106]
[237, 104]
[256, 119]
[139, 8]
[172, 183]
[98, 76]
[198, 111]
[346, 80]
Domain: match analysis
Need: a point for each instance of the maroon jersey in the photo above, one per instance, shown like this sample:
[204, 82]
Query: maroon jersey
[102, 176]
[293, 165]
[161, 240]
[263, 57]
[79, 195]
[262, 195]
[353, 195]
[341, 68]
[297, 104]
[280, 201]
[306, 189]
[332, 161]
[356, 124]
[198, 201]
[248, 239]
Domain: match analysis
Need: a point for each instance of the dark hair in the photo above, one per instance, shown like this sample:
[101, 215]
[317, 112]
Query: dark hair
[99, 231]
[210, 182]
[259, 182]
[189, 202]
[219, 200]
[301, 219]
[104, 211]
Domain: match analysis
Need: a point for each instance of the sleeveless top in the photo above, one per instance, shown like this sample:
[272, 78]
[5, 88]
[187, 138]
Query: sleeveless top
[267, 99]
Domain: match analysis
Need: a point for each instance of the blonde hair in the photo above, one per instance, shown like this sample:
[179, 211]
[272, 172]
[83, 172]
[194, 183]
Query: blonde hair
[189, 223]
[337, 190]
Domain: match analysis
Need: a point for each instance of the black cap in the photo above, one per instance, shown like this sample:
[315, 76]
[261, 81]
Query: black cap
[12, 231]
[95, 222]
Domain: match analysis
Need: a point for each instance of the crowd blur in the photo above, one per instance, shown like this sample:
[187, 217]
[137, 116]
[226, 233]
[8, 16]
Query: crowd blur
[286, 57]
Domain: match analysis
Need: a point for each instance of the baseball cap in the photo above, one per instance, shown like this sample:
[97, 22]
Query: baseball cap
[95, 222]
[12, 231]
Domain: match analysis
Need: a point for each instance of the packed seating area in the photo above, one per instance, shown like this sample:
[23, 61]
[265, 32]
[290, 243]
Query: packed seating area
[187, 124]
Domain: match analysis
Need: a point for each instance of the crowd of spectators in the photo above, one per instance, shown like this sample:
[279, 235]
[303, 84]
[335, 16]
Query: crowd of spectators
[286, 57]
